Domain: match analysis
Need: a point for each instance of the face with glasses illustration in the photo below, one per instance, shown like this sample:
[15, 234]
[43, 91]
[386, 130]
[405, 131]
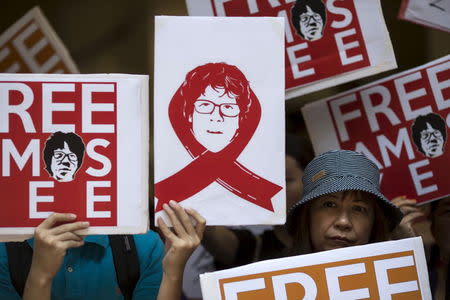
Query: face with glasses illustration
[431, 141]
[429, 133]
[311, 25]
[64, 163]
[63, 155]
[215, 118]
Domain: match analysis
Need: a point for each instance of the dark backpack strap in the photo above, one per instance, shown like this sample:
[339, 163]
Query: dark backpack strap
[20, 255]
[126, 263]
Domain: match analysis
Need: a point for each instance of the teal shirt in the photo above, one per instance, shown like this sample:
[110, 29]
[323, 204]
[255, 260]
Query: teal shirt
[88, 272]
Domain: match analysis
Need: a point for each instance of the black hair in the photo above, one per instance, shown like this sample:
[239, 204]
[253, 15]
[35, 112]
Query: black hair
[56, 141]
[300, 149]
[300, 8]
[420, 124]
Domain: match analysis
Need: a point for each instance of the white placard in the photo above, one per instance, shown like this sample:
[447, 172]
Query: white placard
[373, 271]
[224, 154]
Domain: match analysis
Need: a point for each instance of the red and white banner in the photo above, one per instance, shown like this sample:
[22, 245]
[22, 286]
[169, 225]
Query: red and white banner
[32, 46]
[219, 119]
[74, 143]
[388, 270]
[328, 42]
[431, 13]
[400, 122]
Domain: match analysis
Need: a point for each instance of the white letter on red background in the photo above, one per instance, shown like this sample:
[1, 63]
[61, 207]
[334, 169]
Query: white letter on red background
[20, 109]
[9, 149]
[340, 118]
[417, 178]
[405, 97]
[34, 199]
[48, 106]
[342, 48]
[382, 108]
[402, 140]
[90, 150]
[339, 11]
[437, 86]
[220, 9]
[91, 198]
[89, 107]
[295, 61]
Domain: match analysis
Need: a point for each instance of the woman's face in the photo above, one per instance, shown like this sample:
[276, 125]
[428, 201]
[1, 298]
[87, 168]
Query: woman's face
[294, 185]
[341, 219]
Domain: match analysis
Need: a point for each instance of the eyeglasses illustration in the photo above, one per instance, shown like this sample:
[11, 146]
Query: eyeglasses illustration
[427, 135]
[207, 107]
[60, 156]
[305, 18]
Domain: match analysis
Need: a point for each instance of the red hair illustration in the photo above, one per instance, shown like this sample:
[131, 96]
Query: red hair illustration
[214, 114]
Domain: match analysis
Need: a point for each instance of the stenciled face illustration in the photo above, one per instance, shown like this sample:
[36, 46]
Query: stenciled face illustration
[215, 118]
[432, 141]
[311, 25]
[64, 164]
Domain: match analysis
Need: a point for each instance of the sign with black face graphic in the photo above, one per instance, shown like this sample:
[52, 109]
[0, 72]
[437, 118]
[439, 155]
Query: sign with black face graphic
[400, 122]
[327, 42]
[76, 144]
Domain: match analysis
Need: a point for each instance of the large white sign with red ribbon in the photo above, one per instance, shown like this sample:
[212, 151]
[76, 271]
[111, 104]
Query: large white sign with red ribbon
[431, 13]
[32, 46]
[400, 122]
[219, 117]
[389, 270]
[328, 42]
[74, 143]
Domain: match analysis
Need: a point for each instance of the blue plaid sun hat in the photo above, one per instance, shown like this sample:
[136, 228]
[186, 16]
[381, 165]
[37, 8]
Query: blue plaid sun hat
[344, 170]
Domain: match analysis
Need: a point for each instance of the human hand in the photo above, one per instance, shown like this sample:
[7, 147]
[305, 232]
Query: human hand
[51, 241]
[411, 214]
[182, 241]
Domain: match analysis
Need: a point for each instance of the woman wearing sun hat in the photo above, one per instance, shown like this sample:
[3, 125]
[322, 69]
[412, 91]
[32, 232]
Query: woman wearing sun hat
[341, 205]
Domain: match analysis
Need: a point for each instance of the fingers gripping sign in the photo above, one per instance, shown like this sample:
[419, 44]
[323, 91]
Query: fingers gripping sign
[411, 214]
[182, 240]
[52, 238]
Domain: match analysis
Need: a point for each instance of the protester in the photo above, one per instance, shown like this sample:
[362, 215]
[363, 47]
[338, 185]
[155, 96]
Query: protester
[66, 265]
[439, 266]
[341, 205]
[231, 247]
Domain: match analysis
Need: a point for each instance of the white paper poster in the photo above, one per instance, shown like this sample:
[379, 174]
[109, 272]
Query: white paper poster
[388, 270]
[74, 144]
[400, 122]
[31, 46]
[430, 13]
[219, 118]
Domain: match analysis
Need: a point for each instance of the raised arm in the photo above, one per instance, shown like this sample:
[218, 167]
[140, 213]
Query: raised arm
[51, 241]
[180, 243]
[411, 213]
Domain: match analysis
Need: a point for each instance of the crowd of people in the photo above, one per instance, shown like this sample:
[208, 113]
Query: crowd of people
[334, 201]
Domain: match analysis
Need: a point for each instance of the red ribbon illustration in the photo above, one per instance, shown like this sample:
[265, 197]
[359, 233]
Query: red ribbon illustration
[221, 166]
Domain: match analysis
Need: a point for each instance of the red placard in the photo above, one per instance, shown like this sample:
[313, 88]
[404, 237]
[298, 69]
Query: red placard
[340, 49]
[400, 122]
[31, 113]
